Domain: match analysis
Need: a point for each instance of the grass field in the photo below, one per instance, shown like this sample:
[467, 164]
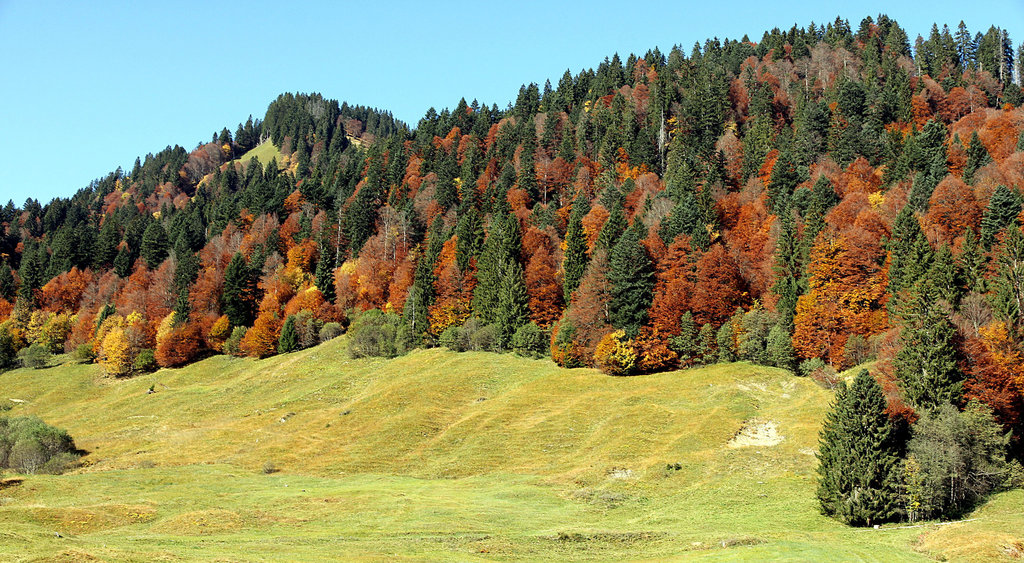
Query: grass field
[264, 152]
[443, 456]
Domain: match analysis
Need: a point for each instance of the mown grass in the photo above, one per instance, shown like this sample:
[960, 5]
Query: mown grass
[264, 152]
[443, 456]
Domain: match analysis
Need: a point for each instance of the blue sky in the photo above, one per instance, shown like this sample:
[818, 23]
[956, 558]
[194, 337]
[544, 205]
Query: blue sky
[88, 86]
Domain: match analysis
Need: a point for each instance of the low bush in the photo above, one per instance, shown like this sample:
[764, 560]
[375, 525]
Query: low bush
[145, 362]
[330, 331]
[231, 345]
[84, 353]
[530, 341]
[482, 338]
[35, 356]
[29, 445]
[373, 333]
[452, 339]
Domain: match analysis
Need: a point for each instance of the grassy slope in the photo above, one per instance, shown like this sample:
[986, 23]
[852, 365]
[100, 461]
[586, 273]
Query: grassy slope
[442, 456]
[264, 152]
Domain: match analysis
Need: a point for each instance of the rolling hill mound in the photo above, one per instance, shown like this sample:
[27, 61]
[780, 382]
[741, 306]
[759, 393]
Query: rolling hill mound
[439, 455]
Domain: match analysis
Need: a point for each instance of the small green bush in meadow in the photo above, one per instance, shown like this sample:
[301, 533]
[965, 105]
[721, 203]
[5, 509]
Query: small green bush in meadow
[29, 445]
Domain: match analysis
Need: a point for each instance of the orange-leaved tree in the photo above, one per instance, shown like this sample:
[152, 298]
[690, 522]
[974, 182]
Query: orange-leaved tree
[846, 296]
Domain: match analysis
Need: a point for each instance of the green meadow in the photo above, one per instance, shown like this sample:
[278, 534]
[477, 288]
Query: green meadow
[445, 456]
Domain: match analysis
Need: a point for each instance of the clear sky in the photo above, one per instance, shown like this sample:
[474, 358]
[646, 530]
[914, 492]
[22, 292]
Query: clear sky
[88, 86]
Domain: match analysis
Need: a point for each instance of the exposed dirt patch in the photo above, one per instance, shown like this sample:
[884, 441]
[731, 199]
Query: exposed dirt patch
[757, 433]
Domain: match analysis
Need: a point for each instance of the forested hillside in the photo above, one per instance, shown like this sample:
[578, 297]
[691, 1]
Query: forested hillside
[822, 197]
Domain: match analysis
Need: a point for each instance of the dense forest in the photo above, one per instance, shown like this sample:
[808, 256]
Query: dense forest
[820, 198]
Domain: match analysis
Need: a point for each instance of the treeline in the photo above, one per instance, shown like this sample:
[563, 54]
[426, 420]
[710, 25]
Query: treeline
[823, 197]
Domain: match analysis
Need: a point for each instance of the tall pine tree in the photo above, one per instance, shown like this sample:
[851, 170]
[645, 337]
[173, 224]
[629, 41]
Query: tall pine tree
[858, 455]
[239, 292]
[632, 277]
[575, 261]
[926, 364]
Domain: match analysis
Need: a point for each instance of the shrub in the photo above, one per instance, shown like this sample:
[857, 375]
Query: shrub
[807, 367]
[84, 353]
[856, 350]
[219, 332]
[954, 460]
[231, 345]
[307, 328]
[451, 338]
[145, 362]
[373, 334]
[529, 340]
[8, 352]
[330, 331]
[779, 350]
[564, 350]
[486, 338]
[29, 445]
[615, 354]
[35, 356]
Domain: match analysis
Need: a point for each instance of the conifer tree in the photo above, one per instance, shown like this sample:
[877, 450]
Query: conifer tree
[910, 254]
[707, 346]
[686, 343]
[574, 262]
[501, 249]
[858, 456]
[971, 263]
[239, 292]
[632, 277]
[790, 279]
[1008, 295]
[8, 287]
[977, 156]
[105, 249]
[782, 183]
[289, 340]
[421, 294]
[823, 199]
[325, 274]
[470, 233]
[926, 364]
[946, 275]
[513, 304]
[1003, 208]
[685, 218]
[155, 244]
[32, 271]
[123, 262]
[527, 175]
[613, 227]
